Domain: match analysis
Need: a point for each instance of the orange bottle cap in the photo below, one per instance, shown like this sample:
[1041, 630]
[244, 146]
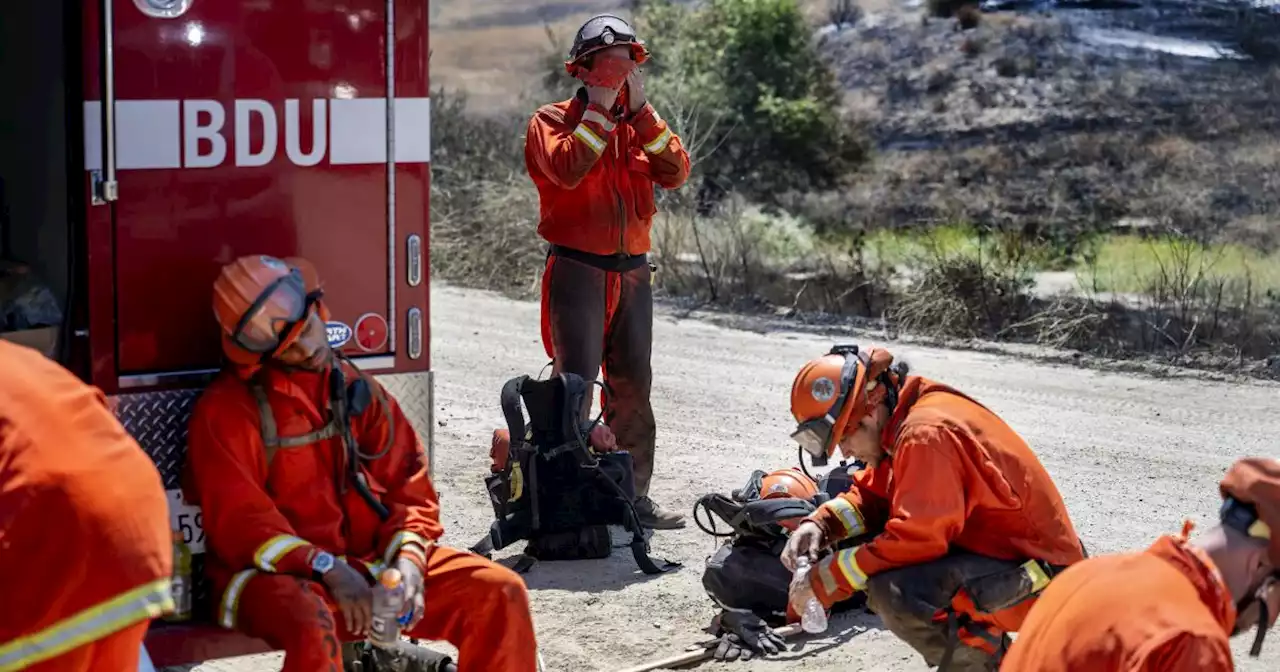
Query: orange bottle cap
[390, 578]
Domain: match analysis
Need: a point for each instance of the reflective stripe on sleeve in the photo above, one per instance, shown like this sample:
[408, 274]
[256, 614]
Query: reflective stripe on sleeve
[849, 516]
[270, 552]
[849, 568]
[231, 598]
[588, 136]
[400, 539]
[659, 143]
[147, 601]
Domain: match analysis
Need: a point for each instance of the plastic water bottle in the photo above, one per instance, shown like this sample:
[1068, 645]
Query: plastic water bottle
[813, 618]
[388, 603]
[181, 580]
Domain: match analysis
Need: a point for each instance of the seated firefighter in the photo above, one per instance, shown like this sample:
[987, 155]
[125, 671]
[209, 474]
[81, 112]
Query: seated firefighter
[313, 481]
[966, 526]
[1174, 606]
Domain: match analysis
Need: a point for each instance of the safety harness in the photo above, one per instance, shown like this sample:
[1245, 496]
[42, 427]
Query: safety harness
[551, 488]
[344, 402]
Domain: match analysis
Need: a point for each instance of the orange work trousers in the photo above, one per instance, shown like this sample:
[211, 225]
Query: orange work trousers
[473, 603]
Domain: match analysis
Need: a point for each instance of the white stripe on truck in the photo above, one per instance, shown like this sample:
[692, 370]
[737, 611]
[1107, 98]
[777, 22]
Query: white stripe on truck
[177, 134]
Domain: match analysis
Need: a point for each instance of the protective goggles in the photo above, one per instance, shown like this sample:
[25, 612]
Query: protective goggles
[277, 316]
[815, 436]
[602, 32]
[1243, 517]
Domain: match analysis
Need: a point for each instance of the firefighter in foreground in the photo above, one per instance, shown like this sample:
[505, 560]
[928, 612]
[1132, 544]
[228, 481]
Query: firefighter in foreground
[313, 481]
[1174, 606]
[86, 552]
[595, 159]
[964, 525]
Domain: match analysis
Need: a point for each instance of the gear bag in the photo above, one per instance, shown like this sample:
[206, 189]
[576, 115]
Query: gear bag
[550, 488]
[746, 571]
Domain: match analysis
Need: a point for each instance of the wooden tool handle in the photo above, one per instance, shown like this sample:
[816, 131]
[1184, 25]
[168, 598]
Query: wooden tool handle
[692, 657]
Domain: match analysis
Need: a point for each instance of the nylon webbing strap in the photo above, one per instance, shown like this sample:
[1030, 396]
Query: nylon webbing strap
[272, 442]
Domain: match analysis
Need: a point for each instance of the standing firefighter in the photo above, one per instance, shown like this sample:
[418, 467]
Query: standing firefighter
[595, 159]
[965, 526]
[1174, 606]
[313, 481]
[85, 547]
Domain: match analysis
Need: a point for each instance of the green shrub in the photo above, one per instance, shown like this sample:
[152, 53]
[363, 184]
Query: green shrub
[745, 86]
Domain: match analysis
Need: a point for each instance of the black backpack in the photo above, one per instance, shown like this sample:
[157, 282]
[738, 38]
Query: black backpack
[746, 571]
[553, 490]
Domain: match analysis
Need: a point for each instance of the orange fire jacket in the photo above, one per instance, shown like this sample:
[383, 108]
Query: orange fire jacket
[85, 545]
[595, 174]
[956, 476]
[1165, 609]
[263, 517]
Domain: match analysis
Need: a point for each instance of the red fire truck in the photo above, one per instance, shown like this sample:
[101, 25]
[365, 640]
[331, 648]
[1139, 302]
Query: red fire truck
[145, 143]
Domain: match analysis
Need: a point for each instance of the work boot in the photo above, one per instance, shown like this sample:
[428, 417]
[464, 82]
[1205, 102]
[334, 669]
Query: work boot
[655, 517]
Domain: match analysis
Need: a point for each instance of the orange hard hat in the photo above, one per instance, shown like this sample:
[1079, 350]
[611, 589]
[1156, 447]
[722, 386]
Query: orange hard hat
[789, 482]
[261, 304]
[832, 393]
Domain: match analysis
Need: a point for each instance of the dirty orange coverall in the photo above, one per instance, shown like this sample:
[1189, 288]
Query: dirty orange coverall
[264, 520]
[957, 479]
[1165, 609]
[595, 170]
[86, 551]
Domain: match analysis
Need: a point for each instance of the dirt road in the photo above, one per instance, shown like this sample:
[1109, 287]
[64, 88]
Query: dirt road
[1133, 456]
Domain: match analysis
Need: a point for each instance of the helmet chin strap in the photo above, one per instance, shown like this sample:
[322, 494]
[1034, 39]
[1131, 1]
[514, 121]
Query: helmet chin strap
[1258, 596]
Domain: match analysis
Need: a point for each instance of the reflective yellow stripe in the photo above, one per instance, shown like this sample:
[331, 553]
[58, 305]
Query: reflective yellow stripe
[592, 115]
[829, 585]
[853, 574]
[850, 517]
[400, 539]
[275, 548]
[1039, 579]
[231, 598]
[375, 568]
[588, 136]
[659, 143]
[142, 603]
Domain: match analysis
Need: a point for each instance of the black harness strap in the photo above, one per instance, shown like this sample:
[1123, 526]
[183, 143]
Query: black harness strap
[272, 442]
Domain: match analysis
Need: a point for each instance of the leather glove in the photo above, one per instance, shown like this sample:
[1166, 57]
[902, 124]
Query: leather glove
[743, 635]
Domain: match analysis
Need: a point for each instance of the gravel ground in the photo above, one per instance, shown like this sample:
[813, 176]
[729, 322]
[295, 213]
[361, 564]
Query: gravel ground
[1133, 455]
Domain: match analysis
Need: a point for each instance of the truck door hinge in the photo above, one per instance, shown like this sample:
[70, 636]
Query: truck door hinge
[104, 191]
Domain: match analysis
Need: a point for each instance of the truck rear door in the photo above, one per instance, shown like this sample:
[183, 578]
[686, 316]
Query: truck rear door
[281, 127]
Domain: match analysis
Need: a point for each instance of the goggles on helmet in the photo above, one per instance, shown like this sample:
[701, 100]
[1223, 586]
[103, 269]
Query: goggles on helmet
[602, 32]
[815, 436]
[276, 316]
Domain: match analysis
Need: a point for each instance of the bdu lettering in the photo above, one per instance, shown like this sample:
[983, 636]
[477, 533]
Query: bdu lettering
[205, 146]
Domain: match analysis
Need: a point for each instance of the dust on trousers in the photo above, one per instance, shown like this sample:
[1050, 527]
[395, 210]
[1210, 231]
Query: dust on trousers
[597, 313]
[477, 605]
[956, 611]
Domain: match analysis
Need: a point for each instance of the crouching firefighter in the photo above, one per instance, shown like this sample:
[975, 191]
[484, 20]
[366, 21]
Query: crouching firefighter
[313, 482]
[967, 526]
[1174, 606]
[745, 577]
[559, 480]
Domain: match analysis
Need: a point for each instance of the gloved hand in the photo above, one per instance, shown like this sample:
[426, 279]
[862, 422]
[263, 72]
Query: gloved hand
[743, 634]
